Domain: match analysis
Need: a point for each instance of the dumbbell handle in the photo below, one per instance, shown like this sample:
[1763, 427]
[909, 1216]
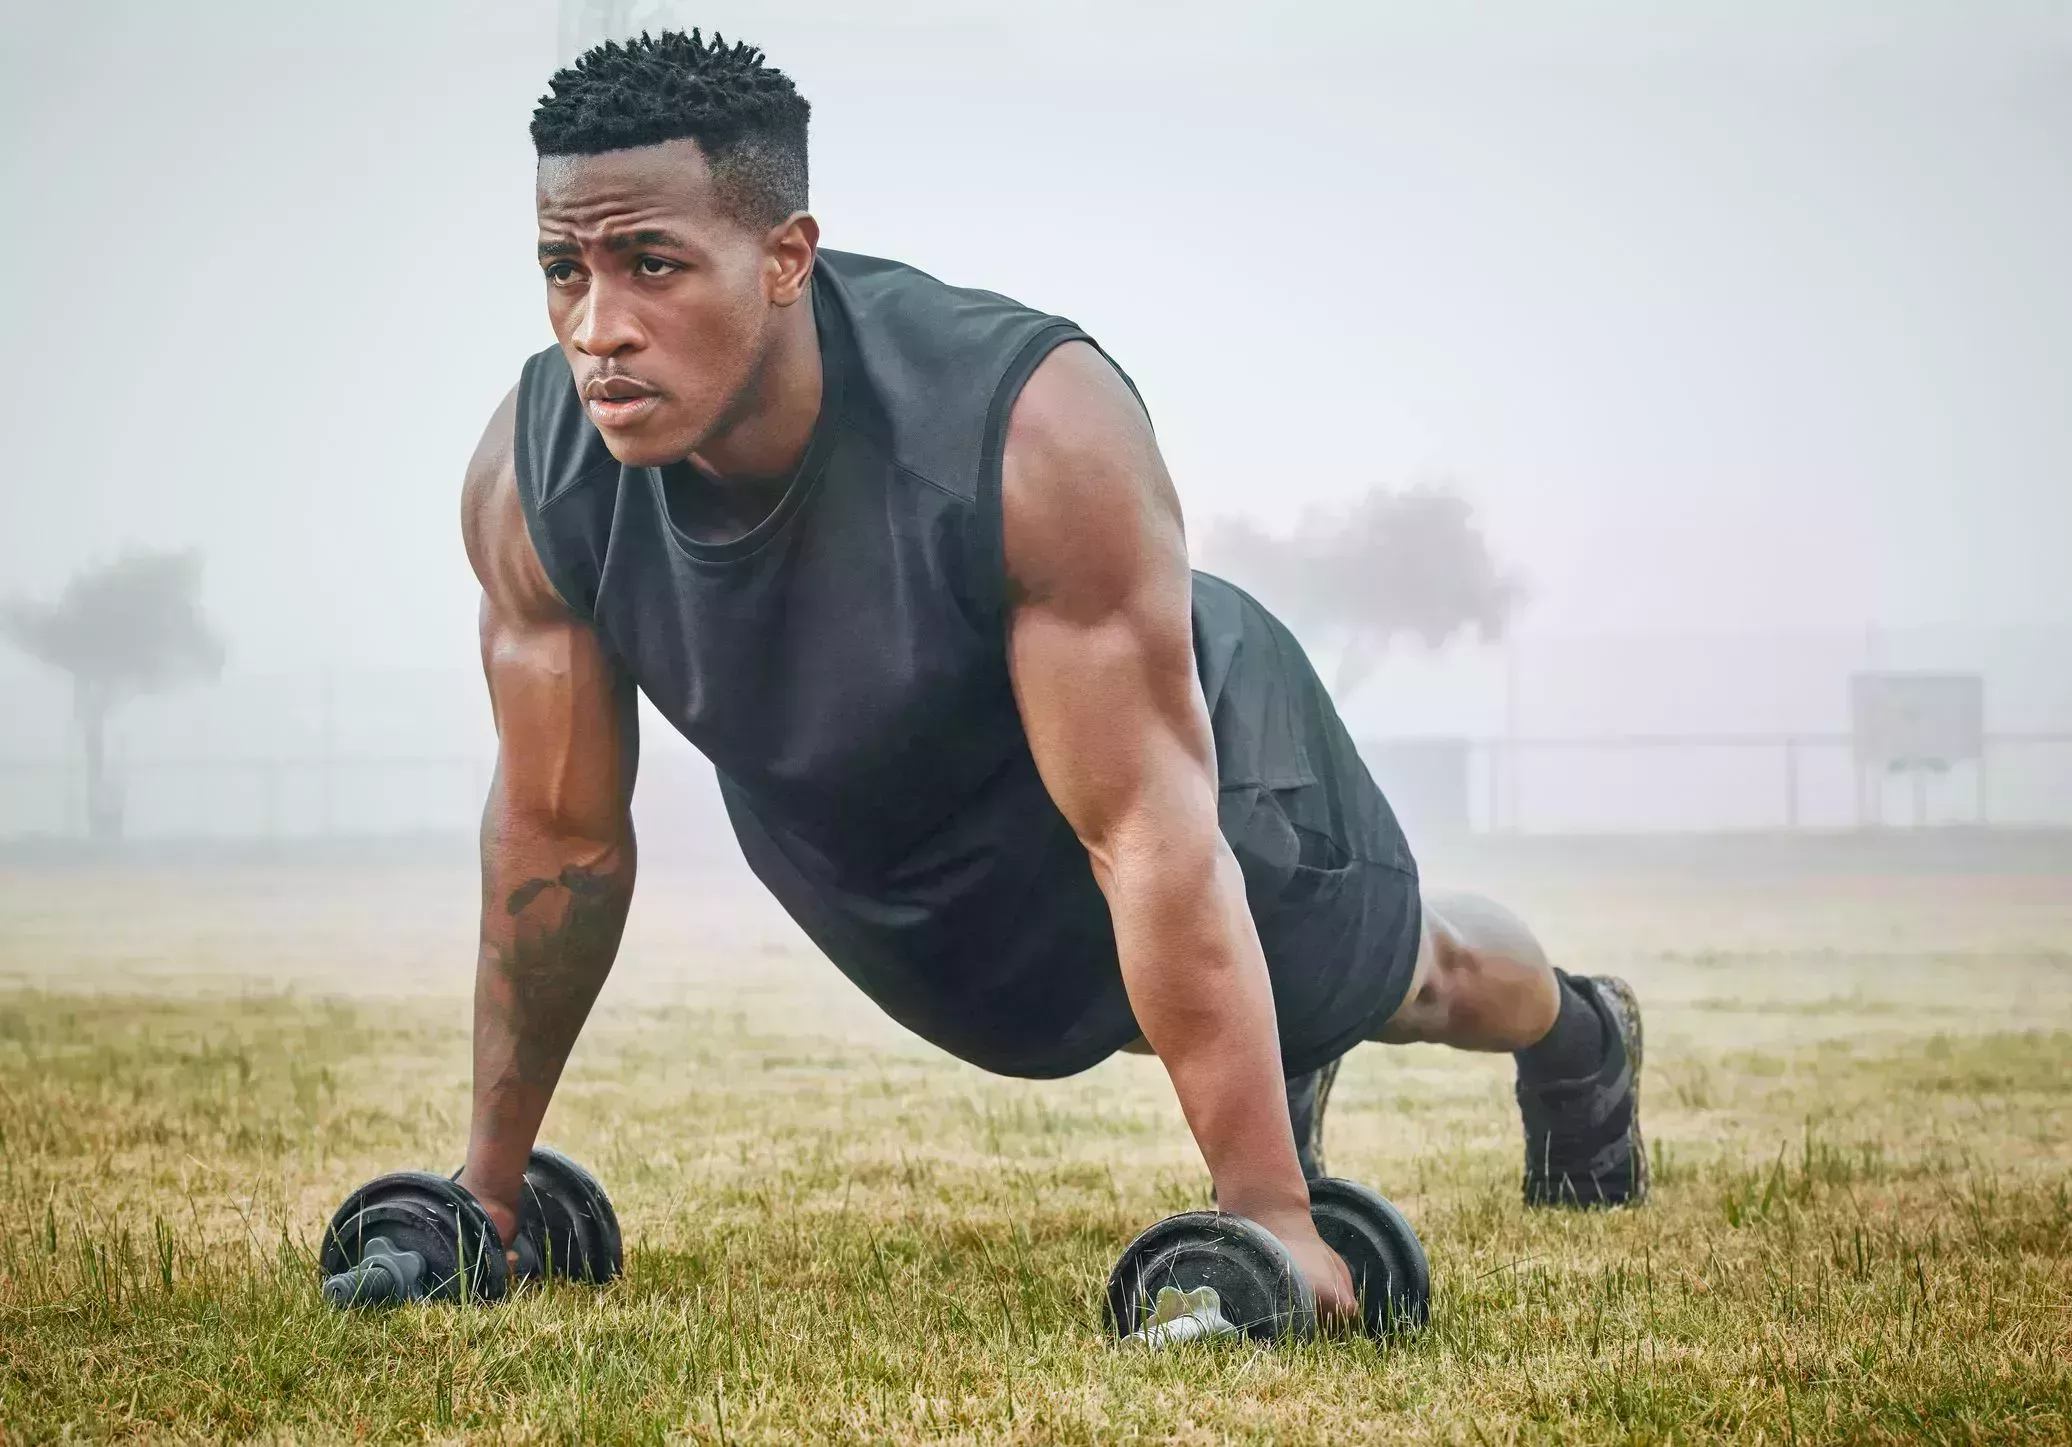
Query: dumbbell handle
[383, 1274]
[1179, 1316]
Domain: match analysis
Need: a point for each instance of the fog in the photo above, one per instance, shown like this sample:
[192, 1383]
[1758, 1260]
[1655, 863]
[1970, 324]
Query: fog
[1745, 330]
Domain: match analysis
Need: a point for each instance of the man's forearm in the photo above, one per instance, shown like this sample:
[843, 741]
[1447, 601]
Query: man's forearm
[1198, 984]
[552, 914]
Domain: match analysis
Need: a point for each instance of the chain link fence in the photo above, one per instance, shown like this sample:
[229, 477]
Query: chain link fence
[1524, 740]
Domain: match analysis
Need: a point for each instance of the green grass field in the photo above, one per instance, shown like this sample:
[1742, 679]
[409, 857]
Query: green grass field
[1859, 1093]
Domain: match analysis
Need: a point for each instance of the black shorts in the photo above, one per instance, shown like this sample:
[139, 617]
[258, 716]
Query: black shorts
[1330, 879]
[1340, 934]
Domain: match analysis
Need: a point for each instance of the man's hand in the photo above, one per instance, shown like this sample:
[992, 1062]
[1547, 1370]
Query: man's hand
[503, 1215]
[557, 834]
[1101, 655]
[1324, 1268]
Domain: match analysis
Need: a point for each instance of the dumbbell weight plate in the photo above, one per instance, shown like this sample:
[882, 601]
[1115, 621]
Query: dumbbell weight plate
[1255, 1278]
[569, 1220]
[426, 1213]
[1391, 1276]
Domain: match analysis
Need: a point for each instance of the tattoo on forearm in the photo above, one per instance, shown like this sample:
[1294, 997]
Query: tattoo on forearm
[553, 971]
[581, 883]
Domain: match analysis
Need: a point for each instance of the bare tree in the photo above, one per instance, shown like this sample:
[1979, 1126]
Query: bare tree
[1411, 562]
[121, 629]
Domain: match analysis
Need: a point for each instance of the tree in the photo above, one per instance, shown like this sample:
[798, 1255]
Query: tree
[1395, 562]
[125, 628]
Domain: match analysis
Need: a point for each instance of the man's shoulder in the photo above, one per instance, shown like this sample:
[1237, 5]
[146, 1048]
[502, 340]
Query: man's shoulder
[555, 448]
[883, 281]
[900, 311]
[1081, 477]
[938, 365]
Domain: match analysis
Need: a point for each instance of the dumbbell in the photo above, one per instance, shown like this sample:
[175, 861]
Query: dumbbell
[417, 1236]
[1258, 1291]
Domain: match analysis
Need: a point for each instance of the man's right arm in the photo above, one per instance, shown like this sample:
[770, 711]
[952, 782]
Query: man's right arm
[557, 832]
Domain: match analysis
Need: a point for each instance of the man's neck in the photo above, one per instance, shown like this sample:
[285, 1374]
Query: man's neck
[770, 424]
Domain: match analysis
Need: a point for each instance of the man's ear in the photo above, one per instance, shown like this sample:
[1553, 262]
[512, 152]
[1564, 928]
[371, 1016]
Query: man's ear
[788, 253]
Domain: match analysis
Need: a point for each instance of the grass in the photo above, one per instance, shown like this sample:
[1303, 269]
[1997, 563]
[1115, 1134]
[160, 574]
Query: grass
[1862, 1227]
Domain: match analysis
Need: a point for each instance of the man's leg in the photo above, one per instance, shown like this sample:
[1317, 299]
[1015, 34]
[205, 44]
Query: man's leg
[1482, 982]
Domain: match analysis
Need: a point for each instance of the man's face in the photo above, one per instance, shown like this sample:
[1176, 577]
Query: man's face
[660, 299]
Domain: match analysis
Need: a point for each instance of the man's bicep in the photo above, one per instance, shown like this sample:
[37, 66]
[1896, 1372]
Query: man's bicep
[1101, 637]
[566, 721]
[1114, 721]
[567, 741]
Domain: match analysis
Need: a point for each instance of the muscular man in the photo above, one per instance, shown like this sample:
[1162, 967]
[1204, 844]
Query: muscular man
[903, 561]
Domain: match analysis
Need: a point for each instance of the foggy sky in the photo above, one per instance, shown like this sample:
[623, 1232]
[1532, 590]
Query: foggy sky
[1741, 319]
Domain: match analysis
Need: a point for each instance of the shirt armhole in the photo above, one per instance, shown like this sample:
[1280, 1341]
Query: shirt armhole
[532, 499]
[989, 541]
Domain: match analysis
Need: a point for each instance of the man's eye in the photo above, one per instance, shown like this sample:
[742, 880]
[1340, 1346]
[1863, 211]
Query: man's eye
[654, 266]
[559, 271]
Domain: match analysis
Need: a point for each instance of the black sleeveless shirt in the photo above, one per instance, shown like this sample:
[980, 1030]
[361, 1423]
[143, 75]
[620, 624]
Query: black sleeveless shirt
[843, 666]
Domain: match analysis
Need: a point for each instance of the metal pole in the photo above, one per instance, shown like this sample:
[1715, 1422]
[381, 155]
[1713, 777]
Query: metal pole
[329, 767]
[585, 23]
[1791, 783]
[1489, 763]
[1511, 711]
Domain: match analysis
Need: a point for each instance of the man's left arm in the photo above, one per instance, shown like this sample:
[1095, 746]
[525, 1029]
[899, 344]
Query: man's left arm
[1101, 652]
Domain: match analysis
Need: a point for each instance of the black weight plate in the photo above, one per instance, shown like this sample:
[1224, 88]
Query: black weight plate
[574, 1231]
[1255, 1279]
[1390, 1273]
[421, 1212]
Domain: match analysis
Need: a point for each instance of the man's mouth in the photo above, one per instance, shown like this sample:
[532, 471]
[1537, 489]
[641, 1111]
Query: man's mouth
[621, 411]
[618, 401]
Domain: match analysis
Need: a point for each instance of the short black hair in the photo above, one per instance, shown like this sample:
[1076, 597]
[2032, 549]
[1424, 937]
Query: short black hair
[746, 116]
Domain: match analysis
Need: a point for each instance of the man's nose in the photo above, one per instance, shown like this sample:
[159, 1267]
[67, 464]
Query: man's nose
[605, 325]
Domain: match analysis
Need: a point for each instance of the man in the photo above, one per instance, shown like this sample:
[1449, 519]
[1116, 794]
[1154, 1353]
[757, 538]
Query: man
[903, 561]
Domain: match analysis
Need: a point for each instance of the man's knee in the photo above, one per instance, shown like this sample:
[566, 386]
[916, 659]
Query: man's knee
[1473, 958]
[1426, 1008]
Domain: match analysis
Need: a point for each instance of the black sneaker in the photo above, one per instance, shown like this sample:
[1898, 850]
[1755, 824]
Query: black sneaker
[1582, 1137]
[1307, 1095]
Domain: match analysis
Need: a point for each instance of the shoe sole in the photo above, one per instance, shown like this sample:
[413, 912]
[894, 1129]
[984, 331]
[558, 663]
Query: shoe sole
[1627, 1005]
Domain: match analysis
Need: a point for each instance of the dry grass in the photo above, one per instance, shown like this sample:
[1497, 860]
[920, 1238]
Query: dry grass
[1857, 1090]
